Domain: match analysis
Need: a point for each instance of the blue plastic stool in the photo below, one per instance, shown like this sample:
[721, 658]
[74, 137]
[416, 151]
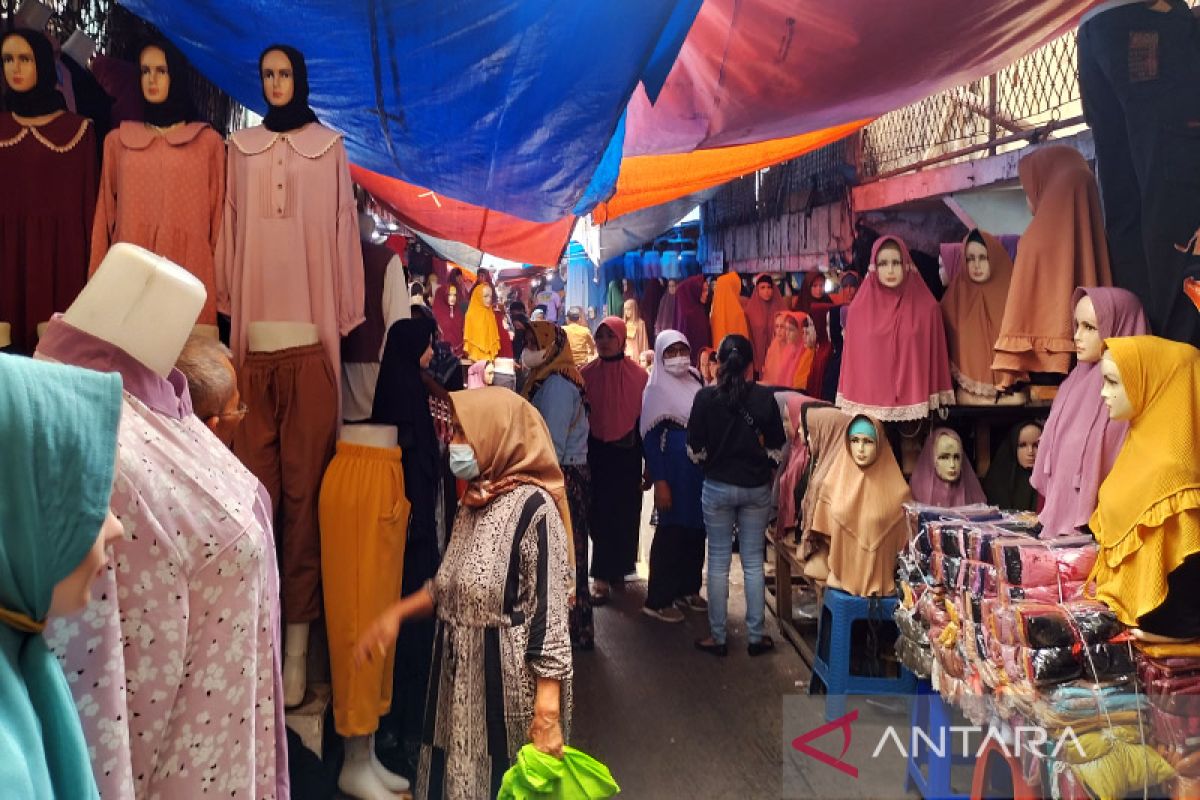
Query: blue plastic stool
[831, 662]
[930, 714]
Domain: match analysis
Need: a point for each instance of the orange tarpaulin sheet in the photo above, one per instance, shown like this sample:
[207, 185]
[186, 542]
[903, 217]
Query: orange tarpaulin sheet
[503, 235]
[647, 181]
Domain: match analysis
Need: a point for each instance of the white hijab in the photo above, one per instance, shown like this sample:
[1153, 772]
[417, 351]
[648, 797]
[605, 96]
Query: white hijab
[668, 397]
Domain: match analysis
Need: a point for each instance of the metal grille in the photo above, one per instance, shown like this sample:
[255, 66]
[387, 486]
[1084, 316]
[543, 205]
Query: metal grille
[117, 33]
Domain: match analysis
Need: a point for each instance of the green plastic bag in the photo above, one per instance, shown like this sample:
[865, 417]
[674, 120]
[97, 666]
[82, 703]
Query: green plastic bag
[538, 776]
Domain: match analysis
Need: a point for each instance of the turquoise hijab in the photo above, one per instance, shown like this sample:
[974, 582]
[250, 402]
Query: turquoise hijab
[58, 437]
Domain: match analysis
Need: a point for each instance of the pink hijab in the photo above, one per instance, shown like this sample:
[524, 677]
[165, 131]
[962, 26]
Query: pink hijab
[784, 357]
[614, 389]
[475, 375]
[894, 362]
[760, 317]
[797, 463]
[1080, 443]
[927, 487]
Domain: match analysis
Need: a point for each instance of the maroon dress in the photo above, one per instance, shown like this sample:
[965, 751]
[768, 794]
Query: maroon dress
[45, 219]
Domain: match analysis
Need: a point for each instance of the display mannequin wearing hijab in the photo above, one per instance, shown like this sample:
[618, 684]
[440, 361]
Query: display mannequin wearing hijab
[1063, 247]
[614, 384]
[1007, 481]
[822, 350]
[728, 313]
[636, 341]
[163, 182]
[762, 307]
[449, 318]
[677, 553]
[859, 506]
[973, 307]
[691, 315]
[944, 476]
[664, 318]
[789, 359]
[511, 530]
[555, 388]
[402, 399]
[1080, 443]
[56, 529]
[1147, 518]
[280, 65]
[48, 164]
[894, 363]
[481, 331]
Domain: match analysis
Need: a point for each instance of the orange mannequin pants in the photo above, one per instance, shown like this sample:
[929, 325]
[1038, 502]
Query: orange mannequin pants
[364, 524]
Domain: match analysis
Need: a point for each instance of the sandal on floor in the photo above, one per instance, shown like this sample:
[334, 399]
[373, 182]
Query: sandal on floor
[712, 648]
[764, 645]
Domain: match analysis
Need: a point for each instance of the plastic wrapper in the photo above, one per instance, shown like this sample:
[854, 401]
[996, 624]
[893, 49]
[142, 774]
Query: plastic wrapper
[1039, 625]
[1063, 592]
[910, 625]
[1179, 732]
[1042, 667]
[1044, 563]
[917, 657]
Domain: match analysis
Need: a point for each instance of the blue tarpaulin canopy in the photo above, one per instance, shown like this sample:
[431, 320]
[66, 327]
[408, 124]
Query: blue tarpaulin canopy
[505, 104]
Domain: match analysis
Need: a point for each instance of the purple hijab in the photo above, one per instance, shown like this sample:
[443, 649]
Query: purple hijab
[691, 317]
[1080, 443]
[927, 487]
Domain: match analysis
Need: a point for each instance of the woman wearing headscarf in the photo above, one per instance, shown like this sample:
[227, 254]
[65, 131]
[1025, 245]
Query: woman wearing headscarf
[1063, 247]
[403, 399]
[1147, 518]
[943, 475]
[481, 374]
[481, 330]
[449, 319]
[691, 315]
[789, 359]
[894, 362]
[677, 553]
[728, 309]
[822, 350]
[502, 653]
[736, 436]
[1080, 443]
[859, 506]
[763, 305]
[636, 341]
[1007, 483]
[973, 307]
[614, 384]
[664, 318]
[555, 388]
[812, 291]
[57, 525]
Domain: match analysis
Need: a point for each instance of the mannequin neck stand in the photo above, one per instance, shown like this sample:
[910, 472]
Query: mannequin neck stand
[5, 334]
[270, 337]
[370, 435]
[967, 398]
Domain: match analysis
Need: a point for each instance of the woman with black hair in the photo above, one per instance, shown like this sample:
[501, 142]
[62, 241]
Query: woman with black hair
[736, 436]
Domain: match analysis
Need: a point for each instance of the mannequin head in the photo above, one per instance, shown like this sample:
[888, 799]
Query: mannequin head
[278, 78]
[764, 287]
[591, 312]
[705, 292]
[975, 258]
[780, 327]
[489, 373]
[20, 64]
[889, 265]
[1115, 395]
[452, 295]
[810, 333]
[863, 440]
[487, 295]
[630, 310]
[791, 330]
[156, 76]
[672, 285]
[1028, 439]
[947, 458]
[1089, 345]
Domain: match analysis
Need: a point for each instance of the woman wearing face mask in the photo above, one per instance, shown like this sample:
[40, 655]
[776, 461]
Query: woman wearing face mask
[736, 436]
[57, 526]
[859, 506]
[943, 476]
[614, 385]
[1007, 481]
[510, 531]
[677, 554]
[555, 388]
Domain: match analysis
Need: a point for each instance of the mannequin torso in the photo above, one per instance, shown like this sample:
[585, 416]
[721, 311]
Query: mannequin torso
[370, 435]
[269, 337]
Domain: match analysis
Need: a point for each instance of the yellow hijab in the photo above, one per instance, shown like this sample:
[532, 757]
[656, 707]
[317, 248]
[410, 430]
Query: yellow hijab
[728, 313]
[481, 337]
[1147, 518]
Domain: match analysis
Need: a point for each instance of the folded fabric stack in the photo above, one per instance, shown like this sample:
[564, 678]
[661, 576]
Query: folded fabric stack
[1170, 677]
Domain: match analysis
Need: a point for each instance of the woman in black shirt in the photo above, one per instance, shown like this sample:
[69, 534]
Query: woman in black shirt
[736, 436]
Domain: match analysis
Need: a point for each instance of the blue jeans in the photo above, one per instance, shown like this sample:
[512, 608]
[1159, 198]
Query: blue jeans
[750, 509]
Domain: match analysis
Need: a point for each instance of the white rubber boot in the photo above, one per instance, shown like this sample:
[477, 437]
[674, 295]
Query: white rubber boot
[295, 664]
[358, 777]
[392, 781]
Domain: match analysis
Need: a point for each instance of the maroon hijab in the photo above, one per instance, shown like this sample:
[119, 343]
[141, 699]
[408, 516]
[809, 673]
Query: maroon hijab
[691, 317]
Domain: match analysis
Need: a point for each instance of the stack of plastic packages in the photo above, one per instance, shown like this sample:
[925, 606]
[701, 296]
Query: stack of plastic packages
[1170, 677]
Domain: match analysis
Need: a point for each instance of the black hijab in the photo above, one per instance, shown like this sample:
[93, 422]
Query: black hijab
[178, 105]
[44, 97]
[1007, 482]
[296, 113]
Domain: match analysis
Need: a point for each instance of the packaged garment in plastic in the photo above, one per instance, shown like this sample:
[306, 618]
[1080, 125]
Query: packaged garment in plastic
[1051, 665]
[1044, 563]
[1039, 624]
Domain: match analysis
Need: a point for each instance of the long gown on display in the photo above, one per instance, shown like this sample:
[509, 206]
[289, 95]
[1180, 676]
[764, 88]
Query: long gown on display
[1063, 247]
[973, 312]
[165, 193]
[47, 198]
[175, 665]
[1080, 443]
[289, 249]
[894, 361]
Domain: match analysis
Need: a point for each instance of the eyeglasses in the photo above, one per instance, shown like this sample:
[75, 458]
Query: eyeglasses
[239, 414]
